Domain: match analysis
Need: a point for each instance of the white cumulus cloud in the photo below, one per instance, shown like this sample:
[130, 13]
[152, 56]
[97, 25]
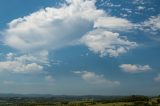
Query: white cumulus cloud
[113, 23]
[52, 28]
[132, 68]
[94, 78]
[107, 43]
[19, 65]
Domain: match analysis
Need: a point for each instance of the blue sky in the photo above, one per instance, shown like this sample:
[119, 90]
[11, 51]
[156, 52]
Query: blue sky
[80, 47]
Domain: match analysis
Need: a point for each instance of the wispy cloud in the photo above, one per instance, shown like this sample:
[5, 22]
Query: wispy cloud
[49, 78]
[153, 23]
[157, 78]
[7, 82]
[151, 26]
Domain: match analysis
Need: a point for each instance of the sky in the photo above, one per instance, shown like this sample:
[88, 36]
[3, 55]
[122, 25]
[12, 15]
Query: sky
[80, 47]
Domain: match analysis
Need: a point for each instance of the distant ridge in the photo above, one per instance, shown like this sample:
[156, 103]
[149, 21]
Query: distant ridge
[109, 97]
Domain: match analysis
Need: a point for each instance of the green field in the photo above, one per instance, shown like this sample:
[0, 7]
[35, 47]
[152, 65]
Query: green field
[114, 104]
[80, 101]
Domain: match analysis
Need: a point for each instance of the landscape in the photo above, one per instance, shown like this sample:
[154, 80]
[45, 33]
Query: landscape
[79, 52]
[50, 100]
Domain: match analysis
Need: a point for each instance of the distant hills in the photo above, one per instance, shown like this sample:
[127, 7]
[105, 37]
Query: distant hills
[68, 97]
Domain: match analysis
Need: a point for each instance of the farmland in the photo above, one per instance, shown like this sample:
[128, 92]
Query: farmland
[19, 100]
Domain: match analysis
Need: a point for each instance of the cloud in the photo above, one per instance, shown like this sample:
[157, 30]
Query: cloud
[19, 65]
[132, 68]
[93, 78]
[10, 56]
[113, 23]
[49, 78]
[36, 34]
[151, 27]
[108, 4]
[157, 78]
[6, 82]
[139, 2]
[127, 10]
[140, 8]
[37, 57]
[153, 23]
[107, 43]
[53, 28]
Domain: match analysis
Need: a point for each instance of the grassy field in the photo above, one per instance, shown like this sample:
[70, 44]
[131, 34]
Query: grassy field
[114, 104]
[71, 101]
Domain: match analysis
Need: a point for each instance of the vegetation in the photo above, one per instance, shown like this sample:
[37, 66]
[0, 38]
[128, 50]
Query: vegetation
[134, 100]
